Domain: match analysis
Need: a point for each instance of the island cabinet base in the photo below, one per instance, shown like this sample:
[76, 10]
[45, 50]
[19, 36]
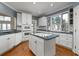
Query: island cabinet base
[42, 47]
[50, 47]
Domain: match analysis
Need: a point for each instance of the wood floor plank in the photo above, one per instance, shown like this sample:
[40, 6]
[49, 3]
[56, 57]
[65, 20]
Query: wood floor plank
[62, 51]
[23, 50]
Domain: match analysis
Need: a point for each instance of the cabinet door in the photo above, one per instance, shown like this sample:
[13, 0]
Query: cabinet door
[11, 40]
[69, 38]
[62, 38]
[3, 44]
[43, 21]
[58, 38]
[32, 44]
[19, 19]
[40, 22]
[24, 18]
[18, 38]
[36, 45]
[40, 47]
[76, 29]
[28, 19]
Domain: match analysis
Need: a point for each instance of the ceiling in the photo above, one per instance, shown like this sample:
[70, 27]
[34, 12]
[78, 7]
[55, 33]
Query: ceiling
[40, 8]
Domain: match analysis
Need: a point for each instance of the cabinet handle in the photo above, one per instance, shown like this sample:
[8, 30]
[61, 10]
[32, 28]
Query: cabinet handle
[75, 30]
[8, 38]
[35, 42]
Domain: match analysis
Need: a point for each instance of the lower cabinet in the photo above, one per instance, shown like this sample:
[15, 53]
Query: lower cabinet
[36, 45]
[9, 41]
[65, 40]
[39, 46]
[6, 42]
[42, 47]
[4, 45]
[18, 38]
[32, 44]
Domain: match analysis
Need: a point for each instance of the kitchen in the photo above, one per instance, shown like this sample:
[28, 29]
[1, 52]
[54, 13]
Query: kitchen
[43, 30]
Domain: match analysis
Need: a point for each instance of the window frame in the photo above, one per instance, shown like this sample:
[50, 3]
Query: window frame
[5, 22]
[60, 21]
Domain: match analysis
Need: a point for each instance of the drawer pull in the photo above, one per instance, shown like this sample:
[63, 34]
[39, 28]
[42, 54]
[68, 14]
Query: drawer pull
[35, 42]
[8, 38]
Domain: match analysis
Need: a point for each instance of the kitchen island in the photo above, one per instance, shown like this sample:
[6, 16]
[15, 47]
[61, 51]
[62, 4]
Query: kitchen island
[43, 44]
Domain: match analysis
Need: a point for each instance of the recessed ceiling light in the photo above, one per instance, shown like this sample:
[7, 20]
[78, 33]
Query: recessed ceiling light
[51, 4]
[34, 2]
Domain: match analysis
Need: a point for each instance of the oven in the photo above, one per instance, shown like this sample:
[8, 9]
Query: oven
[26, 33]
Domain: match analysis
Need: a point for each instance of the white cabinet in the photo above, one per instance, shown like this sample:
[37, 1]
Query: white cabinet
[11, 40]
[64, 39]
[33, 44]
[29, 19]
[26, 19]
[7, 42]
[19, 19]
[18, 38]
[3, 44]
[42, 47]
[76, 30]
[36, 45]
[43, 21]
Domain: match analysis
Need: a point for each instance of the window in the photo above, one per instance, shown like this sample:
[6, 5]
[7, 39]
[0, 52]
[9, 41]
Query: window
[60, 22]
[56, 22]
[65, 22]
[1, 18]
[4, 27]
[7, 18]
[5, 23]
[0, 26]
[8, 26]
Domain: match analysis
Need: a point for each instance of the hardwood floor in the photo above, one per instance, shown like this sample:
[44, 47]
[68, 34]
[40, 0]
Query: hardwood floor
[23, 50]
[62, 51]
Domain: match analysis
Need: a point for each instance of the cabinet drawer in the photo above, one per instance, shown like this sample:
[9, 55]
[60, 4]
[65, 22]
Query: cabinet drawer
[69, 35]
[68, 39]
[67, 44]
[40, 52]
[57, 39]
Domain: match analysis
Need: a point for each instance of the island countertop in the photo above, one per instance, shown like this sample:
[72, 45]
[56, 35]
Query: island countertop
[45, 36]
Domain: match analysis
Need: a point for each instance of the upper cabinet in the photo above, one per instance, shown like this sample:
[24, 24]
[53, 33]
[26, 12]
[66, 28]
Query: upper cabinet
[23, 19]
[19, 20]
[42, 21]
[26, 19]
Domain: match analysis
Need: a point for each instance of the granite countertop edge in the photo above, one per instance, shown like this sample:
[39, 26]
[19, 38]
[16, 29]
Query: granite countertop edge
[46, 38]
[60, 32]
[6, 33]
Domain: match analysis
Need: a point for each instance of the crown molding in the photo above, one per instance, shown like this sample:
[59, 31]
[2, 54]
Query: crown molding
[9, 6]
